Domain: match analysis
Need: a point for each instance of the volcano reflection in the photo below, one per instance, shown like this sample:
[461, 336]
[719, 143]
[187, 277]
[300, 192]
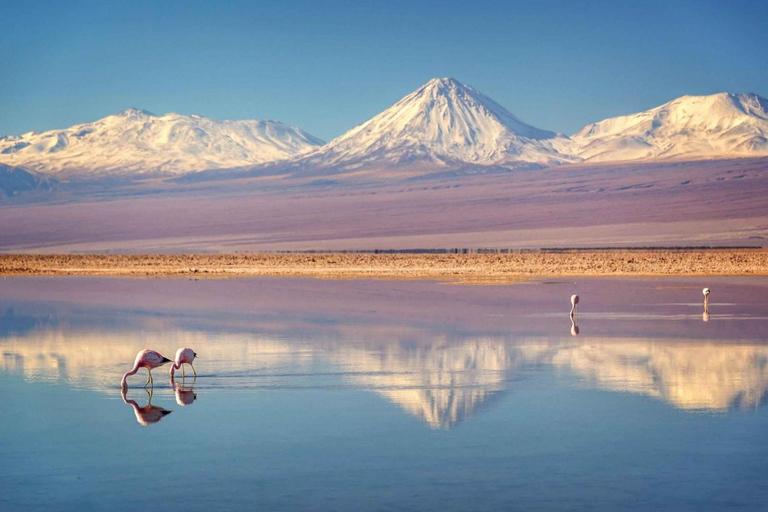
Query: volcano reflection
[438, 380]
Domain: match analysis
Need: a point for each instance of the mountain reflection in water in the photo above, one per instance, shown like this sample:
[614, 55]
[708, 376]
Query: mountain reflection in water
[440, 380]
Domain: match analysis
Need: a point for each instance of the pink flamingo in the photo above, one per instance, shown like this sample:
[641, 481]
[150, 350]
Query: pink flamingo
[148, 359]
[574, 304]
[183, 355]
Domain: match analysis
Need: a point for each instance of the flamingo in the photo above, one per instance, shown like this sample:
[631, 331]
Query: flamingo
[183, 355]
[145, 359]
[574, 304]
[705, 291]
[149, 413]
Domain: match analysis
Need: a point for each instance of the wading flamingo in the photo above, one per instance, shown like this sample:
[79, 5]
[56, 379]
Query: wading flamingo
[149, 413]
[705, 291]
[183, 355]
[574, 304]
[148, 359]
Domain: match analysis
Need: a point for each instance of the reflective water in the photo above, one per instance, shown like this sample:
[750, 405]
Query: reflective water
[378, 395]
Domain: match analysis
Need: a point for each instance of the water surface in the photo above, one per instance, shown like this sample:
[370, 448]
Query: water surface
[382, 395]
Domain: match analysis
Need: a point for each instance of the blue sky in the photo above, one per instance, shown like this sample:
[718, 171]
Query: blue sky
[326, 66]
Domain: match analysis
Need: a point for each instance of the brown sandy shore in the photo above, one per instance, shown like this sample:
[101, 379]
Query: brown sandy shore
[468, 268]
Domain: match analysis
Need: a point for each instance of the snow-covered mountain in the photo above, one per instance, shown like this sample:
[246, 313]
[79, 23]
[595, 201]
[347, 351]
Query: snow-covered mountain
[136, 142]
[445, 123]
[691, 127]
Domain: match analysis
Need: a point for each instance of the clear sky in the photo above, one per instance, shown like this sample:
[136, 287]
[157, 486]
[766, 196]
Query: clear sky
[326, 66]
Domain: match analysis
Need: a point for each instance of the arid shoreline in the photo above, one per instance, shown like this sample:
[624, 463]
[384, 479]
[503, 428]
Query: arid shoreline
[468, 268]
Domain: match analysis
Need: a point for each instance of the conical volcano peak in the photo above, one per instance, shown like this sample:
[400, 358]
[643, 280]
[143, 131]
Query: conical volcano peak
[444, 83]
[446, 80]
[443, 123]
[441, 87]
[452, 100]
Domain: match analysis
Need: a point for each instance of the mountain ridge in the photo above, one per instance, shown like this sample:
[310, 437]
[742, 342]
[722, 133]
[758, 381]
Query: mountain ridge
[443, 127]
[138, 142]
[719, 125]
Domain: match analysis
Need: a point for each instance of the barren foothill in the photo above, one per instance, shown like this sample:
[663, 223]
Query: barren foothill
[475, 268]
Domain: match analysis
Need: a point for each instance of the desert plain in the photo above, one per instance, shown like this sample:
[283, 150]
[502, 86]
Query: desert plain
[479, 268]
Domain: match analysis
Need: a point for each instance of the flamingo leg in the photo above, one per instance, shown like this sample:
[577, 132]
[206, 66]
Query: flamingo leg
[183, 374]
[193, 369]
[149, 377]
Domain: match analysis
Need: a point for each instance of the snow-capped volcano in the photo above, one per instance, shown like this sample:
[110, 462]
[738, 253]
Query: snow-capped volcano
[441, 122]
[717, 126]
[138, 142]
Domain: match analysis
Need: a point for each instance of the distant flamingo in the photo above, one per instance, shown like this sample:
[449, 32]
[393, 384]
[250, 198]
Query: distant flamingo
[148, 359]
[149, 413]
[705, 291]
[183, 355]
[574, 304]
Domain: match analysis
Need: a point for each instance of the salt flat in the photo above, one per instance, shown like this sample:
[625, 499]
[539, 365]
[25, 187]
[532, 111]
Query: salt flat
[661, 204]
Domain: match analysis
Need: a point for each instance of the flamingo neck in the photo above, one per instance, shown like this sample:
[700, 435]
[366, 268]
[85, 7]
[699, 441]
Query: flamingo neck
[132, 371]
[174, 367]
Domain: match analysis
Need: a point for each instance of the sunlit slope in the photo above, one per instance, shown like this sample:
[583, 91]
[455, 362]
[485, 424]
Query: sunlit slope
[442, 124]
[137, 142]
[690, 127]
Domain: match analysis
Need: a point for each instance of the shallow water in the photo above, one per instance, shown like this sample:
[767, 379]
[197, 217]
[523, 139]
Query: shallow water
[383, 395]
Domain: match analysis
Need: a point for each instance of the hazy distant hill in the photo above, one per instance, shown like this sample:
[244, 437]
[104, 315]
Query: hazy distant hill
[14, 180]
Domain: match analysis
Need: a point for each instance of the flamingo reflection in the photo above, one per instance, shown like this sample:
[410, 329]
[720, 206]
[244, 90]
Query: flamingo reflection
[574, 326]
[705, 316]
[185, 395]
[149, 413]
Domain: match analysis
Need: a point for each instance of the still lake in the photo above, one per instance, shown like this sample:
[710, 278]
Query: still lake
[385, 395]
